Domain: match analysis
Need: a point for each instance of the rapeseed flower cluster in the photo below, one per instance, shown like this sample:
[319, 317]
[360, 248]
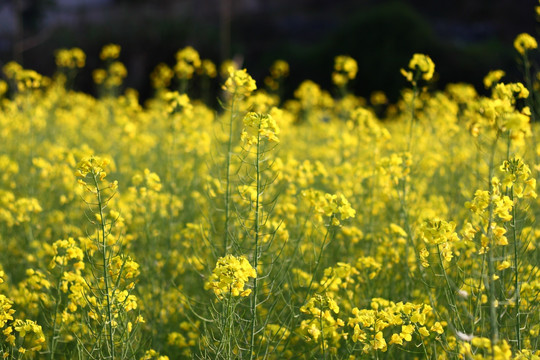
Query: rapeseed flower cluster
[493, 77]
[239, 82]
[258, 127]
[517, 176]
[345, 69]
[525, 42]
[230, 276]
[279, 70]
[187, 62]
[70, 58]
[420, 65]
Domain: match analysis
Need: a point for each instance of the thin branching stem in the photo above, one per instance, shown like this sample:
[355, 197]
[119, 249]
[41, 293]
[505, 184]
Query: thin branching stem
[228, 178]
[105, 259]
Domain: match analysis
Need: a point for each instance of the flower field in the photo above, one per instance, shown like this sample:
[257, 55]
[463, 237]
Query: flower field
[325, 226]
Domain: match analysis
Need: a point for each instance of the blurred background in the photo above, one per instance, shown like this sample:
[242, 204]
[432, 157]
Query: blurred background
[465, 38]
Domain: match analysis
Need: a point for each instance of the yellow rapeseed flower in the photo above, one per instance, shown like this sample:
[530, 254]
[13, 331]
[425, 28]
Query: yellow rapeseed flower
[110, 52]
[239, 83]
[422, 64]
[525, 42]
[259, 126]
[230, 276]
[493, 77]
[345, 69]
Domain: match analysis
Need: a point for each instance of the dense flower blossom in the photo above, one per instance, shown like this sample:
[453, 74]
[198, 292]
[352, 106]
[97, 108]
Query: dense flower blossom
[422, 64]
[525, 42]
[230, 276]
[239, 82]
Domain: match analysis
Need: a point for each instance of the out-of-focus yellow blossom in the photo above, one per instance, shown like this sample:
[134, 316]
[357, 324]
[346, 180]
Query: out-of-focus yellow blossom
[439, 233]
[110, 52]
[378, 98]
[259, 126]
[99, 76]
[207, 68]
[187, 62]
[11, 69]
[239, 83]
[25, 79]
[117, 72]
[3, 88]
[66, 251]
[510, 91]
[318, 304]
[421, 64]
[309, 94]
[335, 206]
[345, 69]
[436, 231]
[396, 166]
[178, 102]
[525, 42]
[480, 202]
[153, 355]
[517, 176]
[338, 277]
[437, 327]
[230, 276]
[70, 58]
[279, 69]
[493, 77]
[322, 323]
[462, 93]
[503, 265]
[161, 76]
[224, 67]
[112, 77]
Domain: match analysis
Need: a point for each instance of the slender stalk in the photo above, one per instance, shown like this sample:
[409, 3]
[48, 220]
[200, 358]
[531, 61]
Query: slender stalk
[404, 183]
[256, 249]
[515, 241]
[226, 340]
[410, 243]
[516, 271]
[320, 257]
[450, 294]
[490, 283]
[322, 334]
[530, 100]
[105, 267]
[228, 178]
[411, 123]
[54, 338]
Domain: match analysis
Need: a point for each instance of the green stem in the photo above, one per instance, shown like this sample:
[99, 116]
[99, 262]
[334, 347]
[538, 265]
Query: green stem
[530, 100]
[322, 335]
[450, 293]
[308, 293]
[516, 272]
[490, 283]
[404, 183]
[58, 300]
[411, 123]
[256, 249]
[105, 267]
[228, 179]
